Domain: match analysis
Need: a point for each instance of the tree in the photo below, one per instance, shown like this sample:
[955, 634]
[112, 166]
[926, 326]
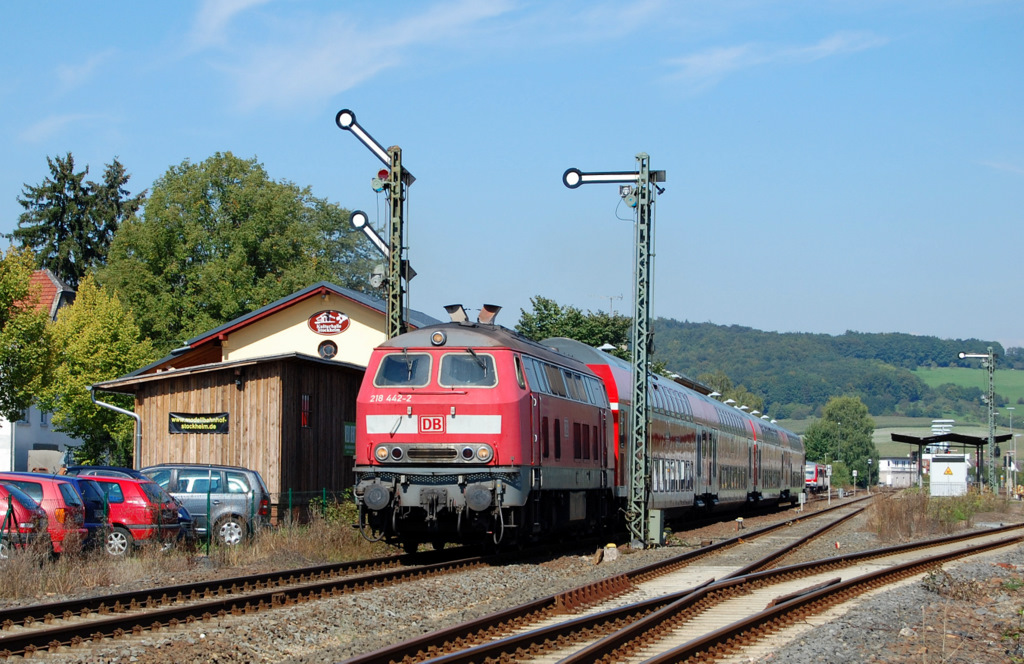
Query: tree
[721, 383]
[24, 342]
[95, 339]
[843, 437]
[549, 319]
[220, 239]
[69, 222]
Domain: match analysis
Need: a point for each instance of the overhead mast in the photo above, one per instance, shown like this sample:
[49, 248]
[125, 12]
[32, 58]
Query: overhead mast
[640, 196]
[395, 183]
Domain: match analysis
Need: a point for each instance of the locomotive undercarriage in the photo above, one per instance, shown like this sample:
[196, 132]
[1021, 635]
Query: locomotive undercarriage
[494, 506]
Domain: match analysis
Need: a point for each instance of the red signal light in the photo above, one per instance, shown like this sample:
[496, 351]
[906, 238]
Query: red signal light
[383, 174]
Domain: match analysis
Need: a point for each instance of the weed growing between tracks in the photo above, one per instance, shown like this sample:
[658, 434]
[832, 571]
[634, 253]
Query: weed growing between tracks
[913, 513]
[326, 536]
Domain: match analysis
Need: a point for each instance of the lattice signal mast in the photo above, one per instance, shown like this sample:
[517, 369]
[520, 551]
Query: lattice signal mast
[637, 189]
[394, 180]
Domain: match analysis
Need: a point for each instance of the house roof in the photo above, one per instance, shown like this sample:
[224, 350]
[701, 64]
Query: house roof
[130, 383]
[48, 293]
[203, 349]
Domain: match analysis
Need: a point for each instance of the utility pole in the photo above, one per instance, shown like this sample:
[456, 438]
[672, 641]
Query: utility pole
[988, 361]
[637, 189]
[394, 180]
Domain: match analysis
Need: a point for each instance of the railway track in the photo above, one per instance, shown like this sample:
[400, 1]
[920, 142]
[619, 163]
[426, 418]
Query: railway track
[616, 619]
[31, 629]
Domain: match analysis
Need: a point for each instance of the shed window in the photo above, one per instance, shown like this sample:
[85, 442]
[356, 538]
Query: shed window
[306, 412]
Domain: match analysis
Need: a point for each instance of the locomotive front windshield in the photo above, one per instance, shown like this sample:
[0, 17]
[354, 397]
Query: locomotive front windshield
[468, 369]
[403, 370]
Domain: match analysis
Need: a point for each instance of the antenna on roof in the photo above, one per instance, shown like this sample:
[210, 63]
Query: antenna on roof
[457, 313]
[488, 314]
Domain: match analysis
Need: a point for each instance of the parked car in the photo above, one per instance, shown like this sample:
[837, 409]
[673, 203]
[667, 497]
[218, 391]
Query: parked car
[22, 520]
[138, 511]
[95, 519]
[108, 471]
[186, 525]
[65, 510]
[234, 500]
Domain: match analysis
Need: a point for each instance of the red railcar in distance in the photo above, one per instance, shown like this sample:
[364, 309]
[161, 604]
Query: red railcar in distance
[468, 431]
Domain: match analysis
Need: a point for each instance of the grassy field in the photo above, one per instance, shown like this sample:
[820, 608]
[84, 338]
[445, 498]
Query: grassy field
[1009, 383]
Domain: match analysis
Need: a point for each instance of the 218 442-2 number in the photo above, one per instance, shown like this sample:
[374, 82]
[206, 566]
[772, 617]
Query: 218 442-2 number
[390, 398]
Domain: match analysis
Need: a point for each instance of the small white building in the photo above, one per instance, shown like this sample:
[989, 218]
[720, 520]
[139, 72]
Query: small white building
[31, 443]
[949, 474]
[897, 472]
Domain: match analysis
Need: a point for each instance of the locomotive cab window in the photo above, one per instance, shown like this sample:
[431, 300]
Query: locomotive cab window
[403, 370]
[467, 369]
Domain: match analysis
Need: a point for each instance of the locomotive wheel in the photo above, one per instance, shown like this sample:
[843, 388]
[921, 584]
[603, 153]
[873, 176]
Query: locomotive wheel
[410, 546]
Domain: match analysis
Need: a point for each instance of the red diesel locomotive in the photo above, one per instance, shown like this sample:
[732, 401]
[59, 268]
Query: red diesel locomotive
[468, 431]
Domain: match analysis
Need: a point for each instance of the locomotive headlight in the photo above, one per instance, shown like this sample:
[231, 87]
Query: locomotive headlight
[438, 338]
[467, 453]
[396, 453]
[483, 453]
[381, 453]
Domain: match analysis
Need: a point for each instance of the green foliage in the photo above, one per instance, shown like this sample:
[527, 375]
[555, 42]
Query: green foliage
[335, 510]
[220, 239]
[69, 222]
[952, 510]
[720, 383]
[843, 437]
[798, 373]
[95, 339]
[548, 319]
[25, 359]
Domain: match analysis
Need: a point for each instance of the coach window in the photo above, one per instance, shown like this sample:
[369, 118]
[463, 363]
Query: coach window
[403, 369]
[519, 372]
[469, 369]
[555, 380]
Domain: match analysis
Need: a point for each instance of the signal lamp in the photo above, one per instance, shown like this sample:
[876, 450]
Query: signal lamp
[484, 453]
[381, 453]
[384, 174]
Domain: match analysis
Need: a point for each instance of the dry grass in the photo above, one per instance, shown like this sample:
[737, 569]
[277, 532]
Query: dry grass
[913, 513]
[327, 536]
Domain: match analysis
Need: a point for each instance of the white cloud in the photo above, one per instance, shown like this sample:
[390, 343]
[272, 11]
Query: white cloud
[213, 18]
[704, 69]
[318, 60]
[53, 125]
[73, 76]
[1002, 166]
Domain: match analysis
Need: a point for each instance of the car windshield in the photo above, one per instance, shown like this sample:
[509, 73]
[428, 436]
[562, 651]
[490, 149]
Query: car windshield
[155, 493]
[22, 497]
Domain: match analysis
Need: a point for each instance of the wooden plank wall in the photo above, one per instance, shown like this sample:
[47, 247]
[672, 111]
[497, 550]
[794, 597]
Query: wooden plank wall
[253, 439]
[313, 457]
[265, 431]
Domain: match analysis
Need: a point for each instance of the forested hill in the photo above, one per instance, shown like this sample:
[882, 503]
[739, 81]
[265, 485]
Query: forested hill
[798, 372]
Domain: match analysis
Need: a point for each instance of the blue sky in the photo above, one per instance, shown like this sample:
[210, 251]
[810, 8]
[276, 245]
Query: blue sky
[831, 165]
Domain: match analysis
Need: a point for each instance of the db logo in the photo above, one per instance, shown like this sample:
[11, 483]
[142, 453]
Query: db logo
[431, 423]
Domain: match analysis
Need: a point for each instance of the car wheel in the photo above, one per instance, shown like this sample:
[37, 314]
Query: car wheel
[230, 530]
[119, 541]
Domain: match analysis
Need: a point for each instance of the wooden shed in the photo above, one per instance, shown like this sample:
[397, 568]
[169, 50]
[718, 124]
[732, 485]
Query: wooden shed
[274, 391]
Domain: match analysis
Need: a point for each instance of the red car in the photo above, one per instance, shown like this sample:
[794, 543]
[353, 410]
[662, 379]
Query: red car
[64, 508]
[22, 520]
[137, 511]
